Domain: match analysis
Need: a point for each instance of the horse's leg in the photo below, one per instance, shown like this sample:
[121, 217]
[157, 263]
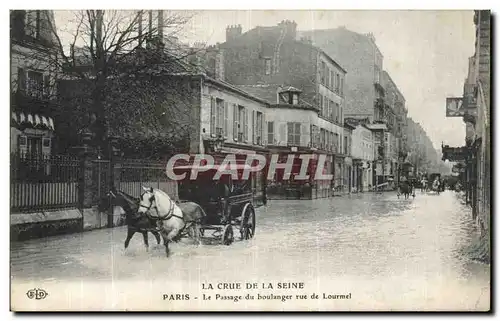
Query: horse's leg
[130, 233]
[165, 242]
[157, 236]
[164, 235]
[146, 241]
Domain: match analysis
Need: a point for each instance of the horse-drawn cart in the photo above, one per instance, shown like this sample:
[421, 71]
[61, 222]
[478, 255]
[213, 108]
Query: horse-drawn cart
[229, 203]
[434, 183]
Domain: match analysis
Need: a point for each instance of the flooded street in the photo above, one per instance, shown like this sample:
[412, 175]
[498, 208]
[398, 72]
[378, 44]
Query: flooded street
[389, 253]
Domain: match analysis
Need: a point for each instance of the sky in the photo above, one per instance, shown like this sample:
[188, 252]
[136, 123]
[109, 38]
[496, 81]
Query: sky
[425, 52]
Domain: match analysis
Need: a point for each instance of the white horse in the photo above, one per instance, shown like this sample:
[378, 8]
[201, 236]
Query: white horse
[169, 216]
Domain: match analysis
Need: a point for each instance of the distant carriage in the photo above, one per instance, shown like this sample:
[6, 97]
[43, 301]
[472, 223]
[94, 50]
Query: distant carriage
[435, 184]
[406, 188]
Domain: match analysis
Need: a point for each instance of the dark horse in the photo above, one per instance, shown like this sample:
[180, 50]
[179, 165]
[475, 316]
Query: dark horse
[136, 223]
[406, 188]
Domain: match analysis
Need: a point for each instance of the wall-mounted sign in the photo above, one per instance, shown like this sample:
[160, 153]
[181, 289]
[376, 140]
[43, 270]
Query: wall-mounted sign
[454, 107]
[454, 154]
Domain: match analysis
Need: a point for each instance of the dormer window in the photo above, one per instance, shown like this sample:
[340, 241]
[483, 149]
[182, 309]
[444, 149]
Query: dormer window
[289, 95]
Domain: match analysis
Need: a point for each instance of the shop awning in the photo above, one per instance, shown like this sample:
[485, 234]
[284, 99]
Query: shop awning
[34, 120]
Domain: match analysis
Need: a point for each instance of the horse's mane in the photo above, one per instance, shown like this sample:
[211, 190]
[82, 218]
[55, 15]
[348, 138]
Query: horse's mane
[131, 201]
[163, 193]
[129, 197]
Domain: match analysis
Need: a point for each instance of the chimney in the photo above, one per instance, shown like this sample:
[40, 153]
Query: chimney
[290, 28]
[233, 32]
[370, 36]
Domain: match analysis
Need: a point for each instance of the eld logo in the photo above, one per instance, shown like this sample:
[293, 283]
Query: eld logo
[37, 294]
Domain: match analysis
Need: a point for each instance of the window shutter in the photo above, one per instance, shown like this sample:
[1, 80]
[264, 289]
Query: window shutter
[282, 134]
[245, 124]
[226, 119]
[263, 129]
[212, 115]
[297, 133]
[46, 85]
[271, 135]
[235, 121]
[21, 79]
[303, 134]
[290, 133]
[254, 127]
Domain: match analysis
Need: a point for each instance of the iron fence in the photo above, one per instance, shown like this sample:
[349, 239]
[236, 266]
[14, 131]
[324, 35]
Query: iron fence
[133, 174]
[40, 182]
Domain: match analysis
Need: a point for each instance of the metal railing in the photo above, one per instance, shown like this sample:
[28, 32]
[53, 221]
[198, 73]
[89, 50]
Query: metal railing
[41, 182]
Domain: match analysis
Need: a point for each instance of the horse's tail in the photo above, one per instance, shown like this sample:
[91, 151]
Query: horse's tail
[202, 211]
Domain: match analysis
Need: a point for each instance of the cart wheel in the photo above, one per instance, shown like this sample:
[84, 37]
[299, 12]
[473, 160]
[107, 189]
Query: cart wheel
[247, 229]
[228, 235]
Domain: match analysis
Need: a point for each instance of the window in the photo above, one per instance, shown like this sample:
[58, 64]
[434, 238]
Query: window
[295, 99]
[257, 127]
[235, 121]
[345, 145]
[21, 140]
[33, 83]
[330, 110]
[336, 141]
[332, 76]
[324, 107]
[268, 66]
[341, 86]
[219, 120]
[322, 138]
[322, 75]
[321, 105]
[337, 83]
[242, 124]
[46, 142]
[270, 133]
[294, 134]
[34, 148]
[32, 23]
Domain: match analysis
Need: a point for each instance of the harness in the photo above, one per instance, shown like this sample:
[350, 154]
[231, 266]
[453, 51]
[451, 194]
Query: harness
[170, 212]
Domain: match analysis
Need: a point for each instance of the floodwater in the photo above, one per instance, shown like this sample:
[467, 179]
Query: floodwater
[388, 253]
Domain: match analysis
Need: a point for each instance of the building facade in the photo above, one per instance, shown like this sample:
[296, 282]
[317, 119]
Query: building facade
[265, 61]
[475, 112]
[362, 151]
[33, 75]
[397, 114]
[367, 97]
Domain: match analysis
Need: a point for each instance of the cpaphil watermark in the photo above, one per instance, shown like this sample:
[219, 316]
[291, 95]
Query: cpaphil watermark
[252, 163]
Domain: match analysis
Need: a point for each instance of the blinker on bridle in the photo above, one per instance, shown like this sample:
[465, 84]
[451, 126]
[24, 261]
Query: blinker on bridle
[151, 199]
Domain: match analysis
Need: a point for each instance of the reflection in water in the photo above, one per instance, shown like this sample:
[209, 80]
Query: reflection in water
[374, 245]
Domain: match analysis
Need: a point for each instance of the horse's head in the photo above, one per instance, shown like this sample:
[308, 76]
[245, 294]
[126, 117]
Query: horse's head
[147, 200]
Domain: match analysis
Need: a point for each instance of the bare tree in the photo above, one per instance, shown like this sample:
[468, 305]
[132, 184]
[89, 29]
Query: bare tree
[103, 50]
